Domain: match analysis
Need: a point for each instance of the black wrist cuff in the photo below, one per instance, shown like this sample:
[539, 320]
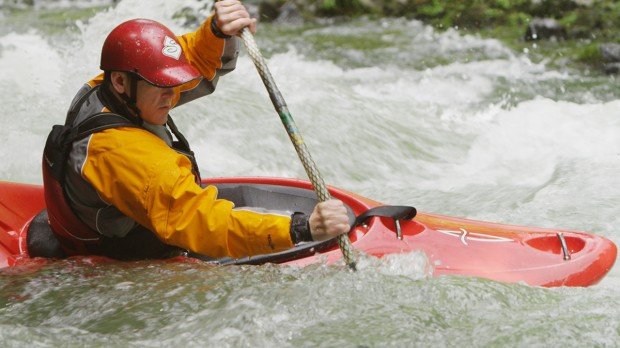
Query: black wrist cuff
[300, 228]
[216, 30]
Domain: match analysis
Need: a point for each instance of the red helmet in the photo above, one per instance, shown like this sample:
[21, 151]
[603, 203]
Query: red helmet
[150, 50]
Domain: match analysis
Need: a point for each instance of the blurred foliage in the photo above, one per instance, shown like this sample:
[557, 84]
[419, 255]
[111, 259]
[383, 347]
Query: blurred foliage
[590, 54]
[588, 23]
[53, 21]
[600, 15]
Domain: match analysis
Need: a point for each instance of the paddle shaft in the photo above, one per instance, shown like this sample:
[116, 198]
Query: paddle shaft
[294, 135]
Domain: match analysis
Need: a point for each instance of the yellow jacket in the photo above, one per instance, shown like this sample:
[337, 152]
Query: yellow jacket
[138, 173]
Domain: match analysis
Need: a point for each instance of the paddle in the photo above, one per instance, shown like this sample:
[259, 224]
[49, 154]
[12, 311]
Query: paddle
[295, 136]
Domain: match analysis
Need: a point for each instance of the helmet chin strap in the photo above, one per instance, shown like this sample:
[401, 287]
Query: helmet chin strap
[131, 101]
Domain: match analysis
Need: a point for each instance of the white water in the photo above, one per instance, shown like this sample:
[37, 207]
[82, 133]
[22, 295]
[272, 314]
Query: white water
[489, 134]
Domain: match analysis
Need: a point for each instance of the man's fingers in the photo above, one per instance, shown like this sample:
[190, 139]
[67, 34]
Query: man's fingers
[233, 12]
[333, 216]
[232, 16]
[226, 3]
[329, 220]
[235, 26]
[343, 228]
[252, 26]
[333, 207]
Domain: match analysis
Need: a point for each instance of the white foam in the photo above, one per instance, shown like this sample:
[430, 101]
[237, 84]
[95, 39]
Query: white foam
[413, 265]
[31, 65]
[525, 144]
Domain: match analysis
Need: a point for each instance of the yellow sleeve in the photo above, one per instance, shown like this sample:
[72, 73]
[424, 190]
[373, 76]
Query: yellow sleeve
[211, 55]
[148, 181]
[203, 49]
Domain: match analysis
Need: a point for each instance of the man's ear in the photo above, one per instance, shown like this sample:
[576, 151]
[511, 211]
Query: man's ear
[119, 81]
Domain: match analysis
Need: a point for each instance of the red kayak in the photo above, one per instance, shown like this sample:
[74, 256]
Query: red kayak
[453, 246]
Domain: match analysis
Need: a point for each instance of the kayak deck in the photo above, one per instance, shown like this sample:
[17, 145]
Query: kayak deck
[453, 246]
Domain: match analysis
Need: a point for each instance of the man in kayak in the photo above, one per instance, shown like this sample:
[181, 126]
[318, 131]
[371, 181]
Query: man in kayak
[130, 177]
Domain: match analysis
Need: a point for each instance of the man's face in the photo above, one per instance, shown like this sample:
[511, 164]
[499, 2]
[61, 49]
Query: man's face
[154, 102]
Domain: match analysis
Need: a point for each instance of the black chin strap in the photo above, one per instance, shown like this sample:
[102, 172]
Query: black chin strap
[131, 101]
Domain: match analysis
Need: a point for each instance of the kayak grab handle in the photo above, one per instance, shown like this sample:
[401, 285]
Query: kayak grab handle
[396, 212]
[564, 247]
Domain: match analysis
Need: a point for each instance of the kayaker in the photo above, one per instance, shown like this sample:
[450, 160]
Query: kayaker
[131, 178]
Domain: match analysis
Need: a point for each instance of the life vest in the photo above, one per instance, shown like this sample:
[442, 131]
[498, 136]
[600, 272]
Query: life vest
[75, 236]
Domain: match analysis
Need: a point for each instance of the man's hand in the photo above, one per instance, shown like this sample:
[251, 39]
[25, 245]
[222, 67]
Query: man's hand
[328, 220]
[232, 16]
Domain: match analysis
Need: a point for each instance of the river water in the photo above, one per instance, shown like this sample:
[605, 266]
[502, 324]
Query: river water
[448, 122]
